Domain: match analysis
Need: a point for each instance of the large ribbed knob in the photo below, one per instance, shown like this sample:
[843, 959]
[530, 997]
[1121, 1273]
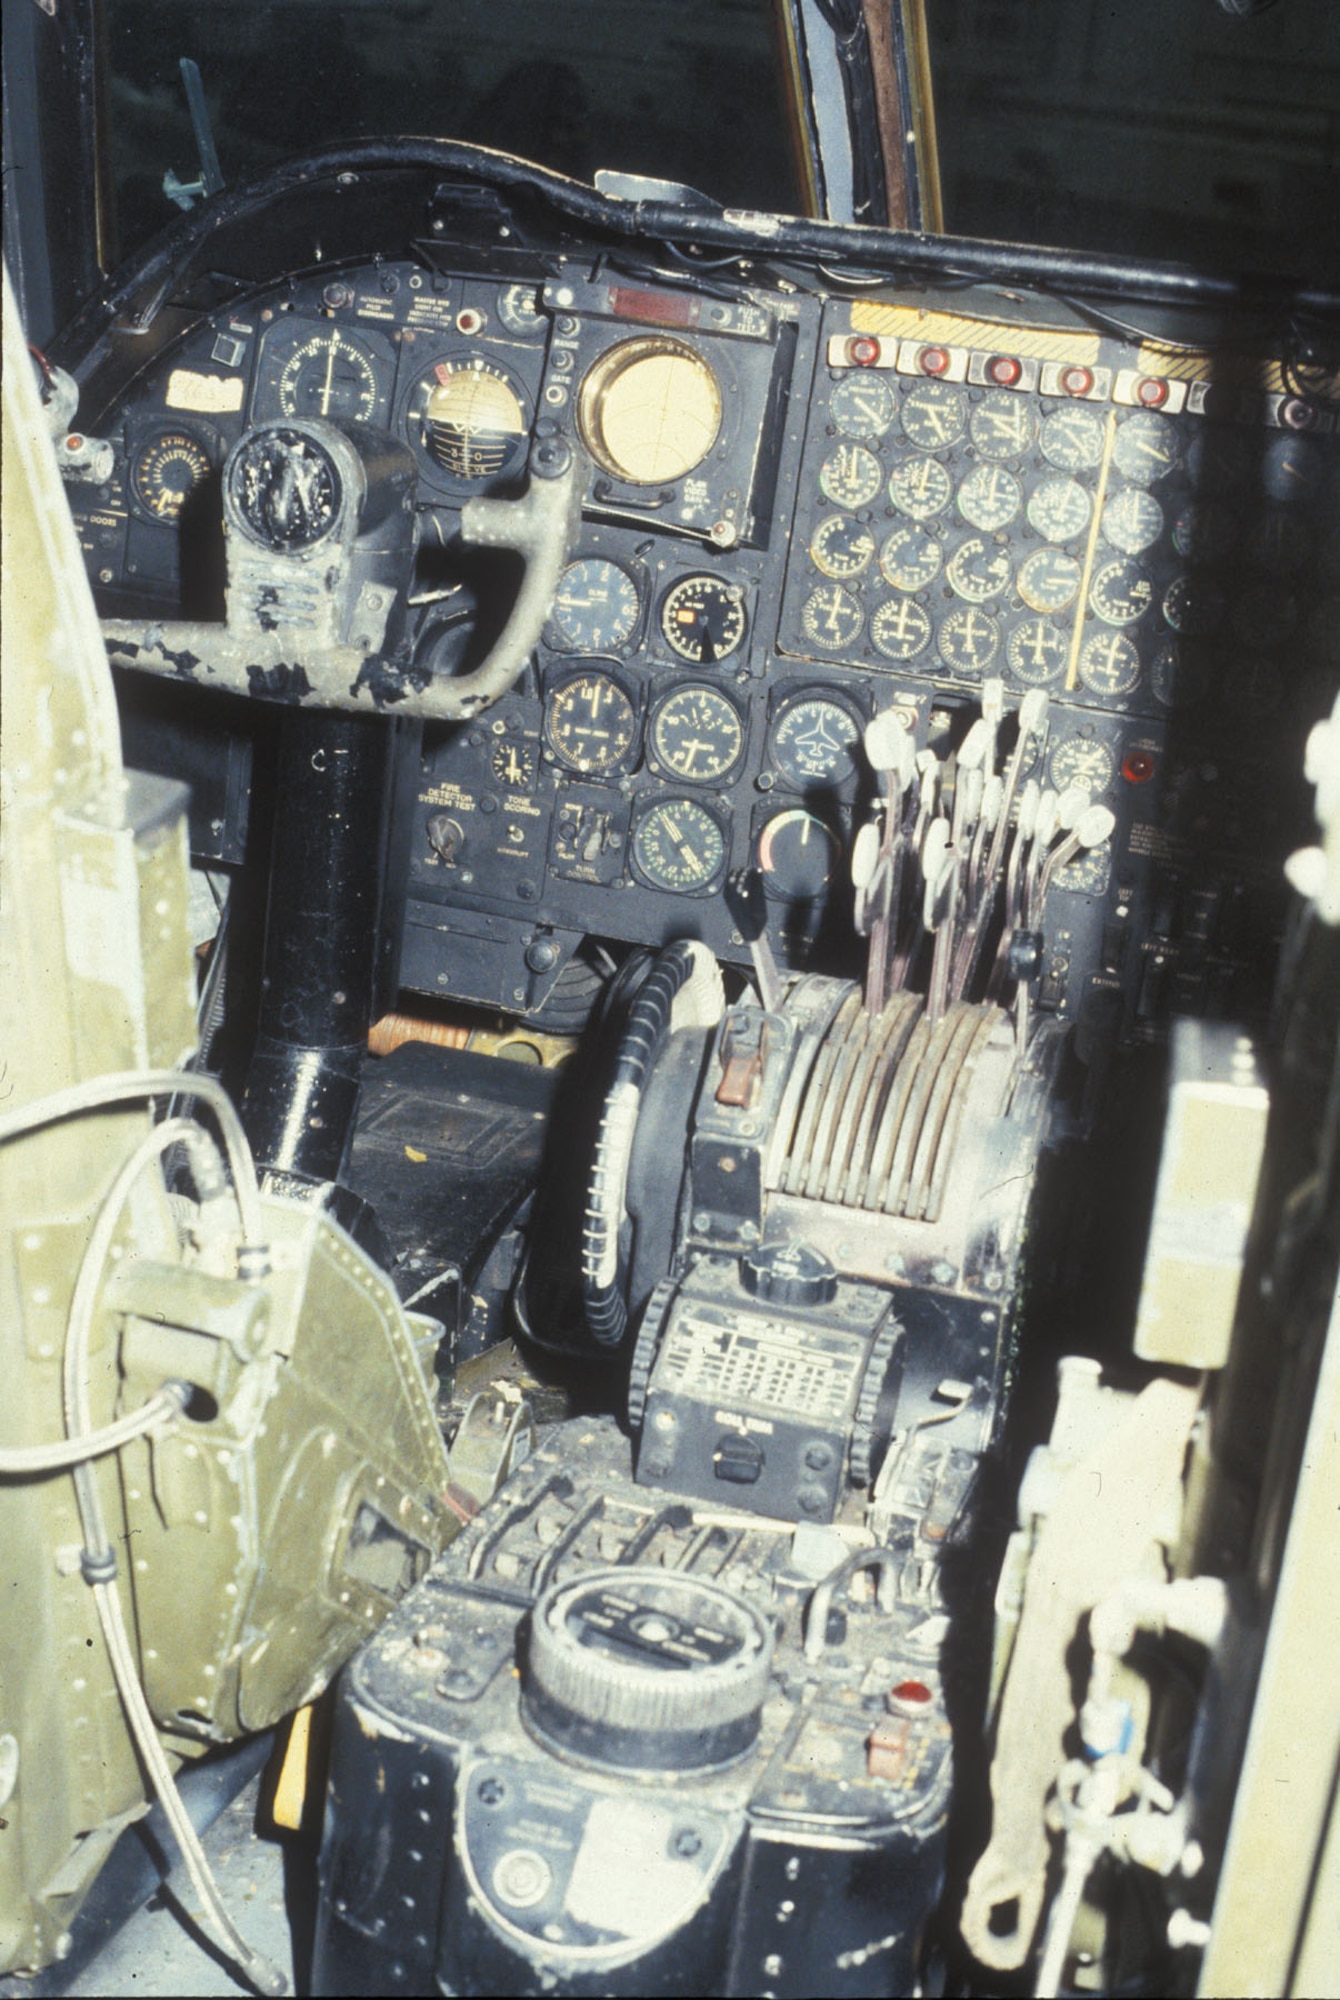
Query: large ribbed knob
[647, 1671]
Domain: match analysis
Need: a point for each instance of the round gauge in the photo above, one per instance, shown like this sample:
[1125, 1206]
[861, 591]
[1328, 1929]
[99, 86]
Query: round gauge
[1081, 761]
[1193, 606]
[696, 734]
[920, 488]
[1290, 469]
[989, 497]
[166, 471]
[851, 476]
[703, 619]
[1278, 542]
[329, 374]
[842, 546]
[911, 557]
[1048, 580]
[1088, 874]
[650, 410]
[832, 617]
[798, 856]
[1121, 593]
[901, 628]
[284, 488]
[467, 418]
[1059, 509]
[1218, 458]
[1037, 652]
[519, 311]
[935, 414]
[595, 607]
[978, 570]
[812, 742]
[1146, 447]
[1002, 426]
[1204, 531]
[1132, 520]
[513, 764]
[1264, 615]
[589, 723]
[969, 641]
[862, 406]
[1109, 664]
[1178, 675]
[679, 846]
[1072, 438]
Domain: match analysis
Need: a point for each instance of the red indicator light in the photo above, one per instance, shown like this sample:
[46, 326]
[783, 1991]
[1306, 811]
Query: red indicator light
[74, 442]
[911, 1694]
[1137, 767]
[1004, 370]
[1298, 415]
[863, 352]
[469, 320]
[933, 360]
[1151, 392]
[1077, 381]
[661, 308]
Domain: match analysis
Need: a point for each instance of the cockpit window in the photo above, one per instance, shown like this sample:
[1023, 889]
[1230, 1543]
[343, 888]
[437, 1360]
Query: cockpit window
[684, 90]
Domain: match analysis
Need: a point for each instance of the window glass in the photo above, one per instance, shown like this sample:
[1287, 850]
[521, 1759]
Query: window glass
[684, 90]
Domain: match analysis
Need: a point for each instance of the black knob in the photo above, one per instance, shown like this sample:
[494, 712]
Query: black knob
[793, 1273]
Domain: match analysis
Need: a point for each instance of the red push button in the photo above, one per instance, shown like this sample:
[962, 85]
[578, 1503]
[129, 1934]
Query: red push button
[863, 352]
[1077, 381]
[1005, 370]
[933, 360]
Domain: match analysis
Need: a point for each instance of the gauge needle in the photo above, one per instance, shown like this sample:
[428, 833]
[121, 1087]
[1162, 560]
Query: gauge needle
[330, 372]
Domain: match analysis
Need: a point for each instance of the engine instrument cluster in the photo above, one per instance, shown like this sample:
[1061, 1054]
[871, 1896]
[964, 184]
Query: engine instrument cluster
[799, 512]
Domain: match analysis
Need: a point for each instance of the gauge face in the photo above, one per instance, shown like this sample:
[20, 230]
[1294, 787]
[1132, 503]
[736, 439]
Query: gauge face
[1109, 664]
[703, 619]
[650, 410]
[1001, 425]
[798, 856]
[1132, 520]
[1145, 447]
[330, 374]
[1290, 469]
[935, 414]
[1037, 652]
[842, 546]
[979, 570]
[990, 497]
[1081, 761]
[166, 471]
[850, 476]
[696, 734]
[1048, 580]
[1121, 593]
[519, 311]
[595, 607]
[969, 641]
[679, 846]
[590, 724]
[862, 406]
[513, 764]
[911, 558]
[285, 488]
[1204, 531]
[1088, 874]
[1179, 675]
[1192, 605]
[1072, 438]
[920, 488]
[467, 419]
[832, 617]
[813, 740]
[1059, 509]
[901, 628]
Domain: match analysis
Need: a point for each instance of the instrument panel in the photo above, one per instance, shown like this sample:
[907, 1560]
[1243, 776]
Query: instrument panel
[801, 510]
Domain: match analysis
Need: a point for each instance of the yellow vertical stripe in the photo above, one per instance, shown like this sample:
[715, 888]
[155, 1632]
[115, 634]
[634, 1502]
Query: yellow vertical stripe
[1090, 549]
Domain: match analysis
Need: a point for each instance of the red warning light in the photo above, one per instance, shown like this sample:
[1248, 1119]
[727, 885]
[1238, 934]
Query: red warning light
[910, 1694]
[1137, 767]
[1298, 415]
[1005, 370]
[1151, 392]
[863, 352]
[933, 360]
[1077, 381]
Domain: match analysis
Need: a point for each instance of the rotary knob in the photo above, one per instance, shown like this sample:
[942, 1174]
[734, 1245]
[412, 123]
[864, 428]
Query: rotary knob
[789, 1274]
[640, 1670]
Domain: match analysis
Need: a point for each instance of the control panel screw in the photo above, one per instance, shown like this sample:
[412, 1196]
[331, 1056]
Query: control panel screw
[687, 1843]
[491, 1791]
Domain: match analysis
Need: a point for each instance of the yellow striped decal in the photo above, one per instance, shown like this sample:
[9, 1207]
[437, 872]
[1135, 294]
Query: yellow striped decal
[953, 330]
[1238, 371]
